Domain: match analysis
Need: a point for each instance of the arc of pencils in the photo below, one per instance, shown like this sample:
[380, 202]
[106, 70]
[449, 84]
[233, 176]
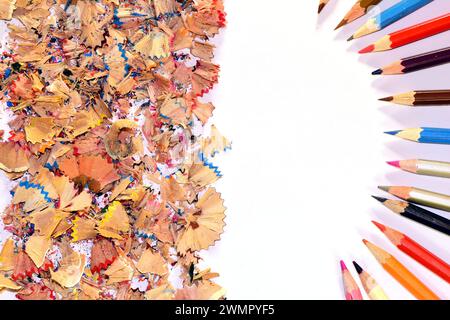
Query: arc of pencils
[423, 135]
[423, 167]
[400, 273]
[416, 63]
[351, 289]
[359, 9]
[421, 98]
[416, 251]
[372, 288]
[411, 34]
[417, 214]
[389, 16]
[420, 196]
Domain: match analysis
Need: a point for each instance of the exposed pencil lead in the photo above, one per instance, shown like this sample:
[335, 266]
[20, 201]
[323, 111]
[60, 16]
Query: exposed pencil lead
[392, 133]
[388, 99]
[342, 23]
[384, 188]
[379, 226]
[381, 199]
[358, 267]
[394, 163]
[377, 72]
[321, 6]
[367, 49]
[350, 39]
[343, 266]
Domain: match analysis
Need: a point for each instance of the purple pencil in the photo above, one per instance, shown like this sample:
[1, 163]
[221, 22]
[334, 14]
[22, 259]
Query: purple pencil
[418, 62]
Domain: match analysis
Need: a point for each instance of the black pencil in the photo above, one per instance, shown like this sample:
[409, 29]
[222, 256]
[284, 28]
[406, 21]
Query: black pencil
[418, 214]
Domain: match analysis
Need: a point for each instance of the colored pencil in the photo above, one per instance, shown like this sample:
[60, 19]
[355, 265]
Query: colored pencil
[420, 196]
[372, 288]
[411, 34]
[322, 5]
[351, 289]
[417, 214]
[389, 16]
[421, 98]
[416, 63]
[359, 9]
[424, 135]
[416, 251]
[423, 167]
[400, 273]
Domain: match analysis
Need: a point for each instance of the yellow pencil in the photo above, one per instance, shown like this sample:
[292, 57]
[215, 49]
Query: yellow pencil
[372, 288]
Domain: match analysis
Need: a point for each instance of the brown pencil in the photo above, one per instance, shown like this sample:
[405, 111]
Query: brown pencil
[421, 98]
[322, 5]
[401, 273]
[358, 10]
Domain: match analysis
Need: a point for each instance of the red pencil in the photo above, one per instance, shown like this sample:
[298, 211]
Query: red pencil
[416, 251]
[411, 34]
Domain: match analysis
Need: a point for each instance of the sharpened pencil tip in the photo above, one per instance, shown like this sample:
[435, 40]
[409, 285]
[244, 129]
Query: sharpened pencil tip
[377, 72]
[384, 188]
[321, 6]
[365, 241]
[343, 266]
[379, 226]
[351, 38]
[392, 133]
[367, 49]
[381, 199]
[342, 23]
[394, 163]
[357, 267]
[387, 99]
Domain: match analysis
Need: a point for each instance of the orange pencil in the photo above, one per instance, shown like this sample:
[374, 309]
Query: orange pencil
[416, 251]
[351, 289]
[401, 274]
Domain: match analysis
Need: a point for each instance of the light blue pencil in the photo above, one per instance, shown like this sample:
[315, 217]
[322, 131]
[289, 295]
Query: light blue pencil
[389, 16]
[424, 135]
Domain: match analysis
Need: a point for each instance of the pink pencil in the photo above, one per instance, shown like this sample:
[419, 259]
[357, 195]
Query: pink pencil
[351, 289]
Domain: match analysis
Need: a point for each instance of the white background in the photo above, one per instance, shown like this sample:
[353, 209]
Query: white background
[300, 106]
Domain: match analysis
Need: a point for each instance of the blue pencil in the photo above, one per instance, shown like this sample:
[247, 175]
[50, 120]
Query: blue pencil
[389, 16]
[424, 135]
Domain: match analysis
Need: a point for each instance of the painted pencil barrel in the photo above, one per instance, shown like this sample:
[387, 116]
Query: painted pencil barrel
[427, 218]
[433, 168]
[426, 258]
[377, 293]
[420, 31]
[431, 97]
[430, 199]
[427, 60]
[435, 135]
[398, 11]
